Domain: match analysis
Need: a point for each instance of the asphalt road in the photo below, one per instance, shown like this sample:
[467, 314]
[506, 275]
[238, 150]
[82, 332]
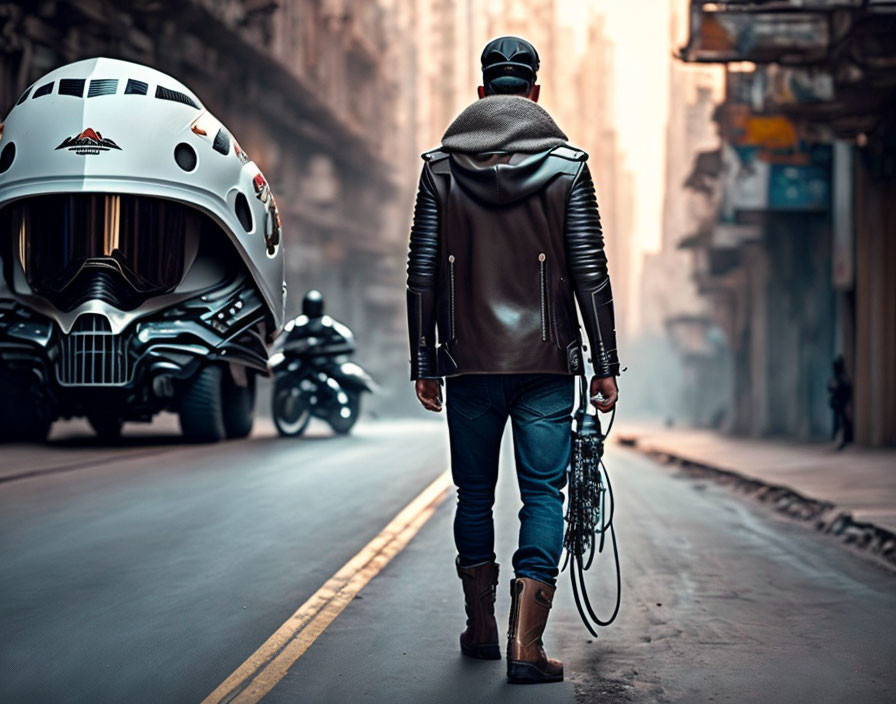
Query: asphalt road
[148, 573]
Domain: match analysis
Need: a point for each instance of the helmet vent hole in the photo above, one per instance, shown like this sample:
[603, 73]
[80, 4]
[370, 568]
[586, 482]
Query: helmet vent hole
[45, 89]
[222, 142]
[7, 156]
[72, 86]
[102, 86]
[185, 156]
[163, 93]
[243, 212]
[135, 87]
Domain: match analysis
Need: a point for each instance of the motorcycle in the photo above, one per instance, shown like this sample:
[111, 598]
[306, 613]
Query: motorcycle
[314, 376]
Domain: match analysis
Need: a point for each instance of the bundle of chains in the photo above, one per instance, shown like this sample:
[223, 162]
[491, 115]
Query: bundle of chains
[589, 513]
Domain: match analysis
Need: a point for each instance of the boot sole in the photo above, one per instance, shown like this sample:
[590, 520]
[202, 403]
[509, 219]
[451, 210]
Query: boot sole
[486, 651]
[526, 673]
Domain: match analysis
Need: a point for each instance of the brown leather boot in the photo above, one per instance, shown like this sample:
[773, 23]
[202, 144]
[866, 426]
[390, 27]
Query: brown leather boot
[530, 605]
[480, 639]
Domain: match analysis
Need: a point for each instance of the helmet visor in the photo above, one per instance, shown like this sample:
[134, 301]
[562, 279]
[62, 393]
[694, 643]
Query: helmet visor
[148, 240]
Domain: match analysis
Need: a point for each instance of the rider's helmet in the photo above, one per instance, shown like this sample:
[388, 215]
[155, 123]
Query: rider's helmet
[107, 163]
[313, 304]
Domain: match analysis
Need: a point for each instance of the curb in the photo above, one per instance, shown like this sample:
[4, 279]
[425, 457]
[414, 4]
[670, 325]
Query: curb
[827, 518]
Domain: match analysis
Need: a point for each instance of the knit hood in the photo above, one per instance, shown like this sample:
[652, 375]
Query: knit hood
[506, 123]
[499, 147]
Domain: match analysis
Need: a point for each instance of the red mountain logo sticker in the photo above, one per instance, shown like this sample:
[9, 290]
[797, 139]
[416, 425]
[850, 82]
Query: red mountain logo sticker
[88, 142]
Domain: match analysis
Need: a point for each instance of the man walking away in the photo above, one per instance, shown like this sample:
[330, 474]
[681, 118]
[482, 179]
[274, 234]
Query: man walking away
[506, 238]
[839, 396]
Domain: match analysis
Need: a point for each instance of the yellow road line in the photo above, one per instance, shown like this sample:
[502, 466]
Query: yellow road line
[266, 666]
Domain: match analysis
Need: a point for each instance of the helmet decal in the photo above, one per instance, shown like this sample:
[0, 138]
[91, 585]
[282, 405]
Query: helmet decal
[206, 125]
[240, 152]
[88, 142]
[272, 233]
[262, 189]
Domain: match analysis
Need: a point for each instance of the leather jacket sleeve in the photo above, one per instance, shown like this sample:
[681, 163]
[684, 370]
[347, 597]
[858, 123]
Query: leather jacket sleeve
[421, 284]
[587, 263]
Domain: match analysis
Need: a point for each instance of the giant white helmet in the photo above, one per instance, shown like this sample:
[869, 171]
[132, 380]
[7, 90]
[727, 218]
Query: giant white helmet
[105, 126]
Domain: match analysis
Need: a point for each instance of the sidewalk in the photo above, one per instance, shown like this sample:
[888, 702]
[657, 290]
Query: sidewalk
[851, 493]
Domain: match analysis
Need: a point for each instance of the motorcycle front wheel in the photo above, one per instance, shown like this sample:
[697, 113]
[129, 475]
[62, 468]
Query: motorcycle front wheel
[343, 419]
[291, 410]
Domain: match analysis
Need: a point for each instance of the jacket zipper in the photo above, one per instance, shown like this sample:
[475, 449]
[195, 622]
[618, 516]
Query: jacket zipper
[451, 289]
[544, 296]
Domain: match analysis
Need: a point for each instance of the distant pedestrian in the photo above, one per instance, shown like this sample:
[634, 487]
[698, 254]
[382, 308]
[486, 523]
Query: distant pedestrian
[506, 238]
[839, 397]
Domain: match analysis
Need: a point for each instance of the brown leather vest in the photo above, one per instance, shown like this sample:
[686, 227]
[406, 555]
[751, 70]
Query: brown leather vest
[504, 297]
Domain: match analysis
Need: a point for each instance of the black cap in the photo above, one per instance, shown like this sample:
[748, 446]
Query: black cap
[509, 59]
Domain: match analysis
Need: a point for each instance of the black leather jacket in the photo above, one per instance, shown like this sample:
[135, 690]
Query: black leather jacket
[500, 246]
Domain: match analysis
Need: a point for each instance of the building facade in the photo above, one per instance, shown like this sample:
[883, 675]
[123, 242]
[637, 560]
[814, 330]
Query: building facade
[677, 350]
[796, 261]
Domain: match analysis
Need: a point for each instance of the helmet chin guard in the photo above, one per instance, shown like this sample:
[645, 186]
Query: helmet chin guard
[106, 126]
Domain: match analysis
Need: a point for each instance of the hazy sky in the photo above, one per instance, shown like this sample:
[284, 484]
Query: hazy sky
[640, 32]
[640, 29]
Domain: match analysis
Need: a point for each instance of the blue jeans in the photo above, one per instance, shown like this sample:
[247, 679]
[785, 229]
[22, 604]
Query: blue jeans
[539, 407]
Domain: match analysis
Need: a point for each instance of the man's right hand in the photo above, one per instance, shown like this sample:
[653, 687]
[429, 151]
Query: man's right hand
[607, 388]
[429, 391]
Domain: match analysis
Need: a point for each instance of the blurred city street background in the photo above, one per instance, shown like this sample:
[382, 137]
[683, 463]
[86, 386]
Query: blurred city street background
[744, 155]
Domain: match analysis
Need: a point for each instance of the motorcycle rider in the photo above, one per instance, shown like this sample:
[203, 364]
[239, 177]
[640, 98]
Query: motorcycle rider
[313, 323]
[313, 373]
[506, 233]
